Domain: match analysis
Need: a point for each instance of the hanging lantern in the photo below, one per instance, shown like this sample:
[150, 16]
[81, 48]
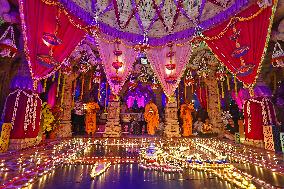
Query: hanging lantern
[7, 45]
[277, 56]
[170, 54]
[117, 52]
[50, 39]
[47, 61]
[171, 79]
[117, 65]
[116, 80]
[170, 66]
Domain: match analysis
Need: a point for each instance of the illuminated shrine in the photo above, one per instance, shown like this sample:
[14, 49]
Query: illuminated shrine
[112, 94]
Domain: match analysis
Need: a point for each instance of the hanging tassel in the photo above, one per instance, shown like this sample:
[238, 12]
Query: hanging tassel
[236, 85]
[53, 78]
[90, 83]
[62, 91]
[58, 84]
[184, 89]
[207, 98]
[82, 87]
[251, 91]
[44, 85]
[222, 89]
[106, 97]
[99, 90]
[275, 82]
[74, 90]
[228, 83]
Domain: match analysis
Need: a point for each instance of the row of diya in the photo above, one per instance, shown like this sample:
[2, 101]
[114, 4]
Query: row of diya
[167, 168]
[99, 168]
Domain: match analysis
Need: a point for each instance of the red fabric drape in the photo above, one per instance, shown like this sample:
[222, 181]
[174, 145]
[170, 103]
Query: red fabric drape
[39, 18]
[253, 33]
[16, 111]
[258, 112]
[201, 95]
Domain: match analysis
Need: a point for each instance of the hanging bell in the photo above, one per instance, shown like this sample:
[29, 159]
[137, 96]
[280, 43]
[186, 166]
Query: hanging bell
[277, 56]
[7, 45]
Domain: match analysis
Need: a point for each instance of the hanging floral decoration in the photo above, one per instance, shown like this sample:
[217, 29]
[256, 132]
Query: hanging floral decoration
[170, 78]
[97, 75]
[277, 56]
[7, 44]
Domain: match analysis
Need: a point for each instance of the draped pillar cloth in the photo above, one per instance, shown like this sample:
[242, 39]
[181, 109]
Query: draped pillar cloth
[253, 25]
[258, 112]
[158, 59]
[39, 17]
[106, 49]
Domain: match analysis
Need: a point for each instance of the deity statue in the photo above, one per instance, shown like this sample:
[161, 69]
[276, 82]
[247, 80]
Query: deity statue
[91, 121]
[185, 114]
[151, 116]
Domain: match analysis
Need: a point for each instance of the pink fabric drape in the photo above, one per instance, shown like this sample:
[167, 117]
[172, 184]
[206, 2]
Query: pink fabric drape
[38, 18]
[128, 57]
[158, 59]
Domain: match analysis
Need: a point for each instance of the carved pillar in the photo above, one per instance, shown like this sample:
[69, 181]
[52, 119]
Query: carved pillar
[65, 125]
[172, 128]
[113, 127]
[214, 112]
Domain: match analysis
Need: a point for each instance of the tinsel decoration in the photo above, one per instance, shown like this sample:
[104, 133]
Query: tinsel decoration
[228, 83]
[62, 90]
[44, 85]
[222, 89]
[218, 94]
[236, 85]
[53, 78]
[58, 83]
[82, 87]
[74, 90]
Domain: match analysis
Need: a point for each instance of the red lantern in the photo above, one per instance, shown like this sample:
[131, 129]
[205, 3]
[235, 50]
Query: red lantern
[117, 65]
[116, 80]
[170, 54]
[170, 66]
[117, 52]
[171, 79]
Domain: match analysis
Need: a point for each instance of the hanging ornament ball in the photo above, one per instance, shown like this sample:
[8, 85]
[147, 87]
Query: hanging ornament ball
[117, 52]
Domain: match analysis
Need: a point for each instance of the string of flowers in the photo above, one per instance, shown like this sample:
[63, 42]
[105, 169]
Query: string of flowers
[82, 87]
[228, 83]
[58, 83]
[44, 85]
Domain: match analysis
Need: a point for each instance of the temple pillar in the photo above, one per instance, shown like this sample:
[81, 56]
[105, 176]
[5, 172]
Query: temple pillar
[172, 128]
[113, 127]
[65, 128]
[214, 112]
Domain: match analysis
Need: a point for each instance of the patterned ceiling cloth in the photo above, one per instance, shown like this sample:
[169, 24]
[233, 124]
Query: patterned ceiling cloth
[162, 20]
